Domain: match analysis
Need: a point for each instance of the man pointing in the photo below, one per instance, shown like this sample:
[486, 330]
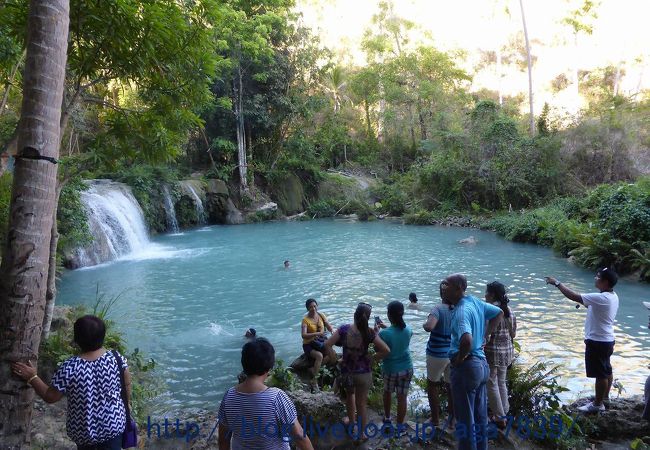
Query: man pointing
[599, 332]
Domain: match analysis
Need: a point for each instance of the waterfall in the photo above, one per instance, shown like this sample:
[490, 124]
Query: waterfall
[198, 204]
[170, 213]
[116, 223]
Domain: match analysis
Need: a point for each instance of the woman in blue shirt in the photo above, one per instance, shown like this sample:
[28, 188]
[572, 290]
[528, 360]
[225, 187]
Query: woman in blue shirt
[397, 367]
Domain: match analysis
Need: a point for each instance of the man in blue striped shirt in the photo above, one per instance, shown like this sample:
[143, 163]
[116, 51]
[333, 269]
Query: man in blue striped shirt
[439, 325]
[469, 368]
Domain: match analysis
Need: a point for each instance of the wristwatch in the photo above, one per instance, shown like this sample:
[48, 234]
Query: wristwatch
[557, 283]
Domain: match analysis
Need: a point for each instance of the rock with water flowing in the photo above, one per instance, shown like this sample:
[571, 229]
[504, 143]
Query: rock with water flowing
[195, 192]
[170, 211]
[116, 223]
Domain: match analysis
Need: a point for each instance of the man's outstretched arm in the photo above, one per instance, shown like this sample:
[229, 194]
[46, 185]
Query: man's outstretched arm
[568, 293]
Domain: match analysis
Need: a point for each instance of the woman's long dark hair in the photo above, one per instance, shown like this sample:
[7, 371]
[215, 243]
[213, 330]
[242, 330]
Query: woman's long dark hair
[396, 314]
[499, 291]
[361, 316]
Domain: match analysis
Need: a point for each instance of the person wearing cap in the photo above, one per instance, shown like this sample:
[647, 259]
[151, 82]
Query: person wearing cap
[602, 307]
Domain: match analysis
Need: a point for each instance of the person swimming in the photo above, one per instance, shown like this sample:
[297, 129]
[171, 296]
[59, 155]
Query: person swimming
[250, 334]
[413, 301]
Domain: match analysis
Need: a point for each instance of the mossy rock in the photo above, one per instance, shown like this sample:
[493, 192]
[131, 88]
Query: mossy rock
[290, 194]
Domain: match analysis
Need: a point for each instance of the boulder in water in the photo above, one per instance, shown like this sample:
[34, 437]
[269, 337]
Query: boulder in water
[469, 241]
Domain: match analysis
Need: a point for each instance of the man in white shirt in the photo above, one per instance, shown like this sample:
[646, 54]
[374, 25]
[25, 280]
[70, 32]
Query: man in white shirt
[599, 332]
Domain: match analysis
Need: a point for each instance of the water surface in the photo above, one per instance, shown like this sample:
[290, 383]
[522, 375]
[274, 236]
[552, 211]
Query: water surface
[187, 299]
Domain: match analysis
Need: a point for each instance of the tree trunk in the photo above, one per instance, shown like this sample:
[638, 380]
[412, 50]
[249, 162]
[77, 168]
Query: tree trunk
[24, 266]
[423, 124]
[530, 71]
[369, 133]
[241, 132]
[50, 294]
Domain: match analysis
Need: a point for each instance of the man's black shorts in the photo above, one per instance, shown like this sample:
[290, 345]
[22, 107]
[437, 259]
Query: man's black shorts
[597, 356]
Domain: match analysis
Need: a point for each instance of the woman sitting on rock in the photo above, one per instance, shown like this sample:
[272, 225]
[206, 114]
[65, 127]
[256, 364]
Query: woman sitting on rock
[313, 328]
[96, 416]
[253, 416]
[356, 365]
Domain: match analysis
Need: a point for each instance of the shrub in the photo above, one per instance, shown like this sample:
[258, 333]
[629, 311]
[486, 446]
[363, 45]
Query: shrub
[533, 389]
[324, 208]
[283, 377]
[421, 217]
[72, 218]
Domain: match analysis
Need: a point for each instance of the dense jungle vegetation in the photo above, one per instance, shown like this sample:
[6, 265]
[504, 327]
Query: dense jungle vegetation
[241, 91]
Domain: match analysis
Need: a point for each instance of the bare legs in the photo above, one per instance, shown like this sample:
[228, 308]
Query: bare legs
[433, 392]
[434, 401]
[401, 406]
[318, 360]
[603, 386]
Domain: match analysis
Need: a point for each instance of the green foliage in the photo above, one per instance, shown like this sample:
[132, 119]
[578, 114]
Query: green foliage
[639, 444]
[359, 207]
[640, 260]
[625, 213]
[421, 217]
[186, 213]
[533, 389]
[608, 227]
[72, 219]
[324, 208]
[283, 377]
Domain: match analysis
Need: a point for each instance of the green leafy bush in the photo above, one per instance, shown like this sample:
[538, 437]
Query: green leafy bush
[324, 208]
[421, 217]
[533, 389]
[72, 218]
[283, 377]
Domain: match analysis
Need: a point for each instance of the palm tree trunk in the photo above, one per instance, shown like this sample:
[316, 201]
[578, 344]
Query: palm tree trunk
[24, 267]
[530, 71]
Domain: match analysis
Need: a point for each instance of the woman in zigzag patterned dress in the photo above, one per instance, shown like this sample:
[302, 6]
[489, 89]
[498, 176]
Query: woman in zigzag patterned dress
[96, 415]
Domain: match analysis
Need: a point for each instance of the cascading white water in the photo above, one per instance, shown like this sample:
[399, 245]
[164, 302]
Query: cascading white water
[116, 223]
[170, 212]
[200, 212]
